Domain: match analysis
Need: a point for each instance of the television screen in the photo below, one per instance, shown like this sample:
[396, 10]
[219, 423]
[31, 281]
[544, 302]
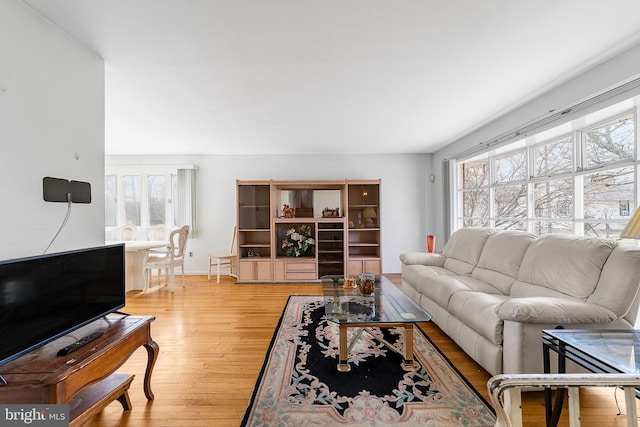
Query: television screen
[45, 297]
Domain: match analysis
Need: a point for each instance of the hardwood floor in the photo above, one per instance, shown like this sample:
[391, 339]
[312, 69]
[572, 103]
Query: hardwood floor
[213, 340]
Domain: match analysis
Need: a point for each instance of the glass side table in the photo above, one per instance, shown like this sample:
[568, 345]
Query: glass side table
[608, 351]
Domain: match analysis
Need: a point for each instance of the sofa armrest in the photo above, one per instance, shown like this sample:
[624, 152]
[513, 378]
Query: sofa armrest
[422, 258]
[553, 310]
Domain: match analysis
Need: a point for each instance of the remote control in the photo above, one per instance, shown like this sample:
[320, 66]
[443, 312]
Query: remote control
[76, 345]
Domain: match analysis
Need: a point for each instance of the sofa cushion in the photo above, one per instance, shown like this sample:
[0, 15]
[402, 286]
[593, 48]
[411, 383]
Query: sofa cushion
[503, 252]
[619, 281]
[459, 267]
[567, 264]
[463, 249]
[470, 307]
[440, 288]
[501, 281]
[559, 311]
[413, 274]
[523, 290]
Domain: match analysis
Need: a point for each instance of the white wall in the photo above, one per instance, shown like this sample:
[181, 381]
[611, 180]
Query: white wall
[403, 194]
[606, 75]
[51, 107]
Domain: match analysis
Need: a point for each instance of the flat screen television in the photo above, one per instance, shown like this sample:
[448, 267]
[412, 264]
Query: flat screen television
[45, 297]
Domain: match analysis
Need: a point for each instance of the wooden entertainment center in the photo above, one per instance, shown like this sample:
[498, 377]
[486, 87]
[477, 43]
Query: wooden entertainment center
[85, 379]
[342, 216]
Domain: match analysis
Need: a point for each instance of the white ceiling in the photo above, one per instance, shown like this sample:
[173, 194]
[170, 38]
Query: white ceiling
[329, 76]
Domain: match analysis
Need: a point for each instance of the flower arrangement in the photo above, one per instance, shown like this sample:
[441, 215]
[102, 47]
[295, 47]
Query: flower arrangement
[298, 241]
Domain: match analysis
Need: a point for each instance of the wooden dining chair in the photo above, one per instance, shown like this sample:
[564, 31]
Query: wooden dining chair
[170, 259]
[230, 258]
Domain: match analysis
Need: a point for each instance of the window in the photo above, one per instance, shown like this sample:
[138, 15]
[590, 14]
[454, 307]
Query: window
[579, 178]
[110, 210]
[158, 202]
[132, 199]
[149, 196]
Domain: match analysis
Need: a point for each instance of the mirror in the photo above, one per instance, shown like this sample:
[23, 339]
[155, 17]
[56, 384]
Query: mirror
[312, 203]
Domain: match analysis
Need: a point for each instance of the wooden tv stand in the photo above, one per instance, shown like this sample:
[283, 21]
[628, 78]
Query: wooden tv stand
[85, 379]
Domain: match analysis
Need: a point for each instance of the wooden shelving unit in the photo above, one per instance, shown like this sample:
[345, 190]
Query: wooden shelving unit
[254, 231]
[364, 230]
[343, 216]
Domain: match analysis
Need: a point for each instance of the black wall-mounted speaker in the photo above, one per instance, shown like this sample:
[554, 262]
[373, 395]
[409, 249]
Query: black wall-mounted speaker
[64, 191]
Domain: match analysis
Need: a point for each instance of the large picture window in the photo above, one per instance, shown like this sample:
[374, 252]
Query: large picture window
[582, 181]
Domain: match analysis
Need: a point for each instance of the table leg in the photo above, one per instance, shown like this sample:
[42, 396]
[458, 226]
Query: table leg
[152, 355]
[553, 411]
[408, 364]
[343, 350]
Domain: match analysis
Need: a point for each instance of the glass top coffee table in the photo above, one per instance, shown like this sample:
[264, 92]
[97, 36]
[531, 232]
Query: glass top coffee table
[387, 307]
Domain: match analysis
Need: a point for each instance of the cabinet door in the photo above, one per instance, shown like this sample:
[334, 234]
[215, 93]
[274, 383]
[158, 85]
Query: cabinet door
[357, 266]
[263, 271]
[254, 271]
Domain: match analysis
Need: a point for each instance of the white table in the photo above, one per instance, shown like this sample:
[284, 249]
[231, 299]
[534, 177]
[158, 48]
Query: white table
[135, 258]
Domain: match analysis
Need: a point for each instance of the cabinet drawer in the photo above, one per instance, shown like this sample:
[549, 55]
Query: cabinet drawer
[300, 266]
[301, 276]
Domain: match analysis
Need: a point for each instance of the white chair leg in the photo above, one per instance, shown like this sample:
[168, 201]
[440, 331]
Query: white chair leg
[513, 405]
[182, 269]
[171, 278]
[218, 270]
[209, 275]
[630, 402]
[574, 406]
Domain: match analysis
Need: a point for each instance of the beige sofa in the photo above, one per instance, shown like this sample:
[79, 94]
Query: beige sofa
[494, 291]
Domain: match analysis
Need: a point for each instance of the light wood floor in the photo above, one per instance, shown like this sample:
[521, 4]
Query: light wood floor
[213, 340]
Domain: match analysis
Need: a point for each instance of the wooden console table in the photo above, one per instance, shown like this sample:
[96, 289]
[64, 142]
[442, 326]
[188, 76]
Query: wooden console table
[84, 379]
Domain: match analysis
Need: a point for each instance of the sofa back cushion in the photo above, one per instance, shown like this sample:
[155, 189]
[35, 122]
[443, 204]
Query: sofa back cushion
[501, 257]
[463, 249]
[567, 264]
[619, 282]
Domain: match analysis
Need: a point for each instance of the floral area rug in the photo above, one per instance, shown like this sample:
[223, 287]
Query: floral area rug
[300, 386]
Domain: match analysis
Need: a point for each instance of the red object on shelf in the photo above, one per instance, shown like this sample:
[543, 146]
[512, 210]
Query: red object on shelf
[431, 243]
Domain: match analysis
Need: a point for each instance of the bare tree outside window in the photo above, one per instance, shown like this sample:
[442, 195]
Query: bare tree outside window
[511, 167]
[553, 157]
[610, 142]
[510, 203]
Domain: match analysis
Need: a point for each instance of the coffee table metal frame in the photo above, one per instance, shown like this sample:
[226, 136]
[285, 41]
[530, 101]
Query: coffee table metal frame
[387, 307]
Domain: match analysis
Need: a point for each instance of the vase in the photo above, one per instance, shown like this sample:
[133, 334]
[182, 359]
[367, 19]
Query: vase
[431, 243]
